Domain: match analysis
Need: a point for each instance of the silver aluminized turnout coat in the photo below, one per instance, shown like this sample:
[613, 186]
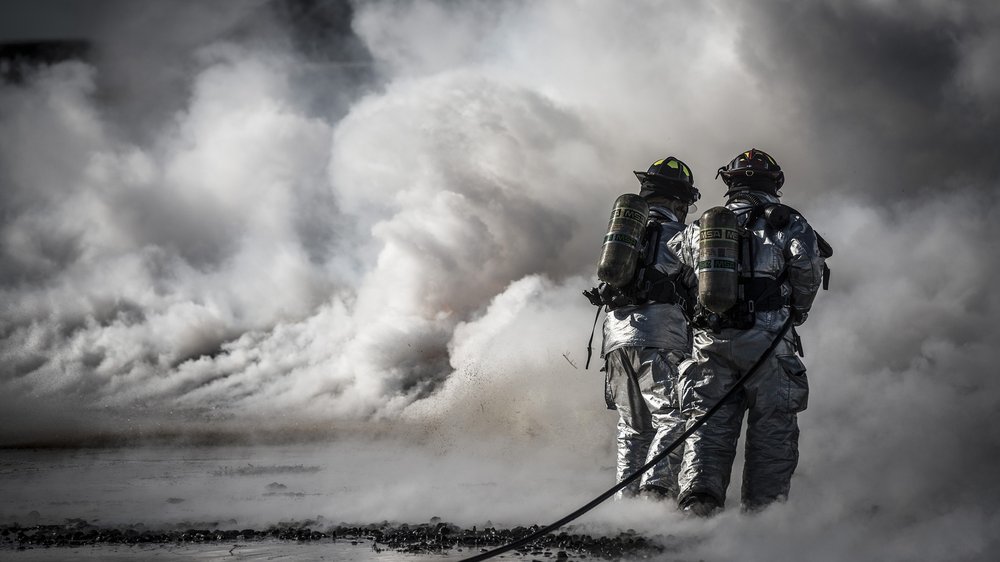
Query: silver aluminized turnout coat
[642, 347]
[779, 390]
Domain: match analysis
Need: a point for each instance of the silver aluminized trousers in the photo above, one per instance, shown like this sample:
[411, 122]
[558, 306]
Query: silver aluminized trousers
[642, 386]
[772, 398]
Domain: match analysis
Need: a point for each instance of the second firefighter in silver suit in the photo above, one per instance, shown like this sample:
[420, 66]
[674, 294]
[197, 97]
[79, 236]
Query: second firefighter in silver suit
[781, 271]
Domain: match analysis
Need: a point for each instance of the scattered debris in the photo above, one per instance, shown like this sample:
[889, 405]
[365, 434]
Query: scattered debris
[251, 470]
[435, 537]
[568, 360]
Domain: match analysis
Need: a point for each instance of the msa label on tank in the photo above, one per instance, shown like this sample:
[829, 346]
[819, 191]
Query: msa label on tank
[716, 264]
[619, 238]
[724, 234]
[628, 214]
[717, 249]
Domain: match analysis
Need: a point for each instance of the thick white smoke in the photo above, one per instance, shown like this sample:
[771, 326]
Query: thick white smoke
[415, 257]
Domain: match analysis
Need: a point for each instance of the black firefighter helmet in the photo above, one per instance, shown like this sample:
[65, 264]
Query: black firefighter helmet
[671, 178]
[753, 169]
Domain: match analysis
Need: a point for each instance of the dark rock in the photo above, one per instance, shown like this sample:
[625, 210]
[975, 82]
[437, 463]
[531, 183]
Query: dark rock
[420, 539]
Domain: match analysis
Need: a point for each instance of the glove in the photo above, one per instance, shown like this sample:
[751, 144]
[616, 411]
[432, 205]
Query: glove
[605, 294]
[613, 297]
[594, 296]
[799, 316]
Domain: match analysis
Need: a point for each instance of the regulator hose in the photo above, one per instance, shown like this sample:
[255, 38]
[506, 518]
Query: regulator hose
[652, 462]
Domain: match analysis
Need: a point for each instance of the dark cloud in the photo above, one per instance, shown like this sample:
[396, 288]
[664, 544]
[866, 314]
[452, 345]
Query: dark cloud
[893, 96]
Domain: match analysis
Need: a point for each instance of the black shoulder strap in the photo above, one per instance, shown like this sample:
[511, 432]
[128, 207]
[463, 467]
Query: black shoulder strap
[590, 344]
[825, 251]
[651, 240]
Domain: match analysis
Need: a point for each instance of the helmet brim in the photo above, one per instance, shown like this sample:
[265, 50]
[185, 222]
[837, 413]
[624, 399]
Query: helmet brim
[672, 189]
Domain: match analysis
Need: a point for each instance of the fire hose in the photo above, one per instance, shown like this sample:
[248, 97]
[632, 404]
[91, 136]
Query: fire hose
[652, 462]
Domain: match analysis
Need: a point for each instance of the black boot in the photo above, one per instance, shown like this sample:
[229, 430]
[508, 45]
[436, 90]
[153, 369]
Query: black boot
[657, 493]
[700, 505]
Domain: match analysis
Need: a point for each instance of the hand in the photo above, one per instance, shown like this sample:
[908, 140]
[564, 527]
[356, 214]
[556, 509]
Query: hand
[613, 297]
[594, 297]
[799, 316]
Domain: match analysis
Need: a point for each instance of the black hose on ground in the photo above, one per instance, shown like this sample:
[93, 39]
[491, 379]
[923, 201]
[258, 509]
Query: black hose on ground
[652, 462]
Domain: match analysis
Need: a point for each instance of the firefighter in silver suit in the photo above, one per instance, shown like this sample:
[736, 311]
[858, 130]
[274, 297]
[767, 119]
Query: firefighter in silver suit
[781, 268]
[646, 338]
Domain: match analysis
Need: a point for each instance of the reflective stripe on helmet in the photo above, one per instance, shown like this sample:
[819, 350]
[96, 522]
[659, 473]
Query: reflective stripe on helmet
[677, 165]
[753, 163]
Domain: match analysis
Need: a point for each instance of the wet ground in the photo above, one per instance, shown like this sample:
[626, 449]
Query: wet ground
[354, 501]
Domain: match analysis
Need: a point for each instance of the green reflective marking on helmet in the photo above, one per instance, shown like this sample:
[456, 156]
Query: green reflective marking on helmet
[672, 164]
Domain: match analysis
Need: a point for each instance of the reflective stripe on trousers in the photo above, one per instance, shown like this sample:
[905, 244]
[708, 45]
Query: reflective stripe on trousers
[642, 386]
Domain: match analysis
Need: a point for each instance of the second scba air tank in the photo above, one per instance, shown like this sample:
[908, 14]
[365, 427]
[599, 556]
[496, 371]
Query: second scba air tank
[718, 259]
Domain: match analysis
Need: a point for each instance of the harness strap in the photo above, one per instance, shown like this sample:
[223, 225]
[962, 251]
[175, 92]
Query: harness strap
[765, 292]
[659, 287]
[797, 343]
[590, 344]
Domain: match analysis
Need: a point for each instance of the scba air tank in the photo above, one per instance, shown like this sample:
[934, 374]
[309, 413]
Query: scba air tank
[620, 254]
[718, 258]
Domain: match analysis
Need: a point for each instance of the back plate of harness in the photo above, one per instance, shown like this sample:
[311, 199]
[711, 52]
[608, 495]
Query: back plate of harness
[756, 294]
